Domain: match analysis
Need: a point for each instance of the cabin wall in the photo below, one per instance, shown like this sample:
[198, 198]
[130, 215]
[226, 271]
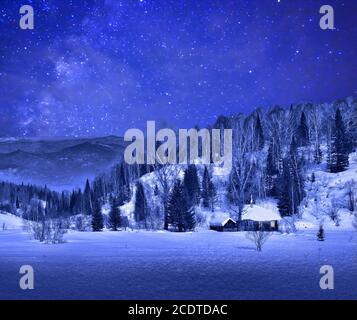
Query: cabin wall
[249, 225]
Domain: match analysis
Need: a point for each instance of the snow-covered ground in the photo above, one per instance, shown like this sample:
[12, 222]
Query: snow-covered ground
[162, 265]
[9, 222]
[329, 192]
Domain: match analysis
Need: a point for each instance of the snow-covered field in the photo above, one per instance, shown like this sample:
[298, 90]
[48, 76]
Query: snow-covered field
[162, 265]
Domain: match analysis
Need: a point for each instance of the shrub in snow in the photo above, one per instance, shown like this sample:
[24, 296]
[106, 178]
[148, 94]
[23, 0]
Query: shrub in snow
[321, 234]
[258, 237]
[332, 211]
[82, 223]
[47, 231]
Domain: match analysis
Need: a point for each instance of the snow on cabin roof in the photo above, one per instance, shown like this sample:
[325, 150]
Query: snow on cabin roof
[217, 222]
[257, 213]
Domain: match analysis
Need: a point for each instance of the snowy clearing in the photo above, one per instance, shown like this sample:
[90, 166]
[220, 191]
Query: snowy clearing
[162, 265]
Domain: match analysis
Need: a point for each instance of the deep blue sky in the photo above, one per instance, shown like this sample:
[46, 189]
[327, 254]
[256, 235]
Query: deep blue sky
[93, 68]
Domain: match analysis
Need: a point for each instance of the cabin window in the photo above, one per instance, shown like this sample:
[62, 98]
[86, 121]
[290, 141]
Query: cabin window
[272, 224]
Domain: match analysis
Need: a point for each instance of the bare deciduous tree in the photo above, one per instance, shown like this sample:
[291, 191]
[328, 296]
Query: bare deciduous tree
[259, 237]
[47, 231]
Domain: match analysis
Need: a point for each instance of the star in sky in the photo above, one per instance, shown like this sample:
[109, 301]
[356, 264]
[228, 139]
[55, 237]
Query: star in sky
[96, 67]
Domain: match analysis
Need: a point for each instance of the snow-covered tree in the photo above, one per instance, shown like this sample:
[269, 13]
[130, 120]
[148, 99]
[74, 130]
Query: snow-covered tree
[141, 209]
[321, 233]
[290, 185]
[208, 190]
[165, 177]
[302, 132]
[87, 199]
[271, 172]
[181, 215]
[192, 185]
[283, 190]
[338, 153]
[258, 134]
[97, 217]
[114, 214]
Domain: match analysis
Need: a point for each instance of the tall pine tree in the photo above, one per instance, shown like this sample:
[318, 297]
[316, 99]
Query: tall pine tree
[302, 133]
[181, 215]
[208, 191]
[338, 153]
[97, 218]
[114, 215]
[258, 134]
[140, 209]
[192, 185]
[87, 199]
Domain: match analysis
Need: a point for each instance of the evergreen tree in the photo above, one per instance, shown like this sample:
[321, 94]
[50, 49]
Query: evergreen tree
[87, 199]
[258, 134]
[140, 209]
[17, 203]
[283, 186]
[233, 185]
[114, 215]
[303, 132]
[180, 215]
[296, 182]
[208, 190]
[192, 185]
[321, 234]
[97, 217]
[338, 153]
[189, 218]
[290, 188]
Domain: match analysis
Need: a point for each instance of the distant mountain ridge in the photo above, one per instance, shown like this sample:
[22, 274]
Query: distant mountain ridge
[51, 145]
[60, 164]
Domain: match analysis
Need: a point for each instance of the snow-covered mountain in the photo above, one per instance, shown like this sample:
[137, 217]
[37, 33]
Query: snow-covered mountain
[59, 164]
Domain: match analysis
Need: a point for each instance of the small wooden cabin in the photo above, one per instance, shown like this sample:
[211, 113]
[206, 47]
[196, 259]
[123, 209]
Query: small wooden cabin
[227, 225]
[258, 218]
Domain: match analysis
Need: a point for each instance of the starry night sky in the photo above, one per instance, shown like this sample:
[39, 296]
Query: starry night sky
[100, 67]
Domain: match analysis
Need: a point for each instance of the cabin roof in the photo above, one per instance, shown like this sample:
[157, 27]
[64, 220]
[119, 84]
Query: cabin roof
[258, 213]
[217, 222]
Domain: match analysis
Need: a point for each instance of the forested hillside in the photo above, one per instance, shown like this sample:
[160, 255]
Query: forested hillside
[275, 156]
